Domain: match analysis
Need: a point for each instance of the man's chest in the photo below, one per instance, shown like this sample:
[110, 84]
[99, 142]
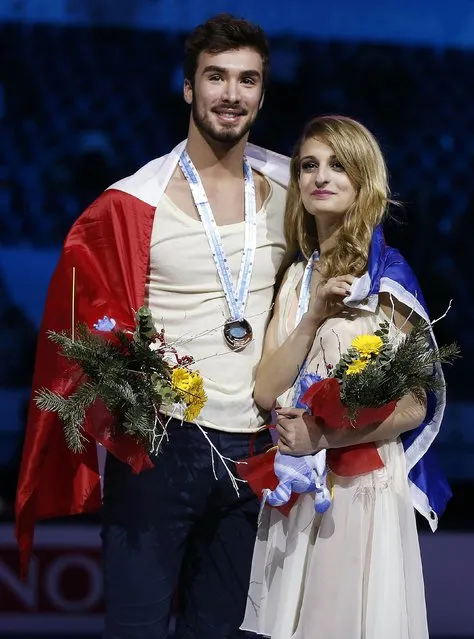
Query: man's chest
[226, 199]
[227, 205]
[181, 258]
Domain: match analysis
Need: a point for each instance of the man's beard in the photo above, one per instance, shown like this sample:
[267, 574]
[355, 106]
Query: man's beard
[225, 136]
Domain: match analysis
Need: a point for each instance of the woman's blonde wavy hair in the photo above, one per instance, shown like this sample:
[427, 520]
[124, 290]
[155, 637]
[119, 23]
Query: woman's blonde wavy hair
[360, 155]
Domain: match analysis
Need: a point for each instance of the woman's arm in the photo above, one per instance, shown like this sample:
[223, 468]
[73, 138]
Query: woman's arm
[408, 414]
[279, 366]
[303, 434]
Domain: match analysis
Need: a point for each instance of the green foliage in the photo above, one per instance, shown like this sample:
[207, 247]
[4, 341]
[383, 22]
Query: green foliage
[132, 380]
[394, 372]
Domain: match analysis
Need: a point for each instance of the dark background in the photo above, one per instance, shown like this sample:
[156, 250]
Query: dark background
[80, 109]
[84, 103]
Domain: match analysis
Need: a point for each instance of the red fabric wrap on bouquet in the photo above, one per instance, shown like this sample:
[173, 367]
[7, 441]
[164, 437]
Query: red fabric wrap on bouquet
[324, 401]
[101, 426]
[350, 461]
[258, 471]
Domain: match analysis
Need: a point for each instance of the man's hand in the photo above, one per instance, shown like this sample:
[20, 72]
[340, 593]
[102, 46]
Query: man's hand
[298, 431]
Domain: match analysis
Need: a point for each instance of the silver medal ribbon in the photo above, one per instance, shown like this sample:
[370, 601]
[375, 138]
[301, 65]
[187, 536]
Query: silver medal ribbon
[305, 292]
[303, 305]
[236, 298]
[322, 497]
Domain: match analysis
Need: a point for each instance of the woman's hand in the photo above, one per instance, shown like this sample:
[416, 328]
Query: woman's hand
[299, 432]
[326, 299]
[303, 434]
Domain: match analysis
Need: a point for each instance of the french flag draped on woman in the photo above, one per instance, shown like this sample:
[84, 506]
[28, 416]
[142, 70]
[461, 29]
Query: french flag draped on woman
[388, 272]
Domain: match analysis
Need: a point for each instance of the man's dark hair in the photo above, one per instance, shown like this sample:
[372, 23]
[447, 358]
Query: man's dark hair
[224, 32]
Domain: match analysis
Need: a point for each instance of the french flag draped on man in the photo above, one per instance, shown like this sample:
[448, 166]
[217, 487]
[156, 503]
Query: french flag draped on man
[102, 271]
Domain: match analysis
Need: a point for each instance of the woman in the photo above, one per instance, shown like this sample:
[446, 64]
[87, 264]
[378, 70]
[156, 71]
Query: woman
[353, 572]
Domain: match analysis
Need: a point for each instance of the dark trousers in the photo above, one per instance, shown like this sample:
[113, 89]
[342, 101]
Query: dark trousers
[176, 534]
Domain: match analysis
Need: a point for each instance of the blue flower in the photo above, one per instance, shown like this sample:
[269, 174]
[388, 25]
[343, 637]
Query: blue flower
[105, 324]
[305, 382]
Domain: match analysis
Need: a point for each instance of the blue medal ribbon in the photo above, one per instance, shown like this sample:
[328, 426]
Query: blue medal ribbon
[236, 298]
[322, 498]
[303, 305]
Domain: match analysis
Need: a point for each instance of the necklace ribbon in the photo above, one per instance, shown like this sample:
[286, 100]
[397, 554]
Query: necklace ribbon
[303, 305]
[237, 331]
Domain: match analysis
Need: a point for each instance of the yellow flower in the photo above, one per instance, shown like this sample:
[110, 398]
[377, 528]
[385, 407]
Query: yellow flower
[181, 380]
[357, 366]
[196, 398]
[367, 345]
[190, 386]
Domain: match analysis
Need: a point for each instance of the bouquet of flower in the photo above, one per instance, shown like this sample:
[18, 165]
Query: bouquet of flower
[365, 385]
[132, 379]
[361, 389]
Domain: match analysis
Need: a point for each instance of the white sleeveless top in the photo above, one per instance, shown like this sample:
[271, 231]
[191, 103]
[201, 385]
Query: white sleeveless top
[186, 297]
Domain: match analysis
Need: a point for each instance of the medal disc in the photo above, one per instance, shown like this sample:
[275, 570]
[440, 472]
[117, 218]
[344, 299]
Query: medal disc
[237, 334]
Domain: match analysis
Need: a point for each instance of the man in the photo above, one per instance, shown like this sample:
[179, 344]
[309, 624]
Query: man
[198, 235]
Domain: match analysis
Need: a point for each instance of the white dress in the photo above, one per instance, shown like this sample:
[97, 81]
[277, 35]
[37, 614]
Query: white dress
[354, 572]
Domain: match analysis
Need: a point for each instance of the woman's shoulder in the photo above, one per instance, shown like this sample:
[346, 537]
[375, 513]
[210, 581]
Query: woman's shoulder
[398, 279]
[296, 269]
[396, 267]
[289, 282]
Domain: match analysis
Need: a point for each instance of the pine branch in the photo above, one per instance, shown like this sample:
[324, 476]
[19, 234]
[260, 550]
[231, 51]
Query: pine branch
[70, 410]
[49, 401]
[395, 373]
[131, 379]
